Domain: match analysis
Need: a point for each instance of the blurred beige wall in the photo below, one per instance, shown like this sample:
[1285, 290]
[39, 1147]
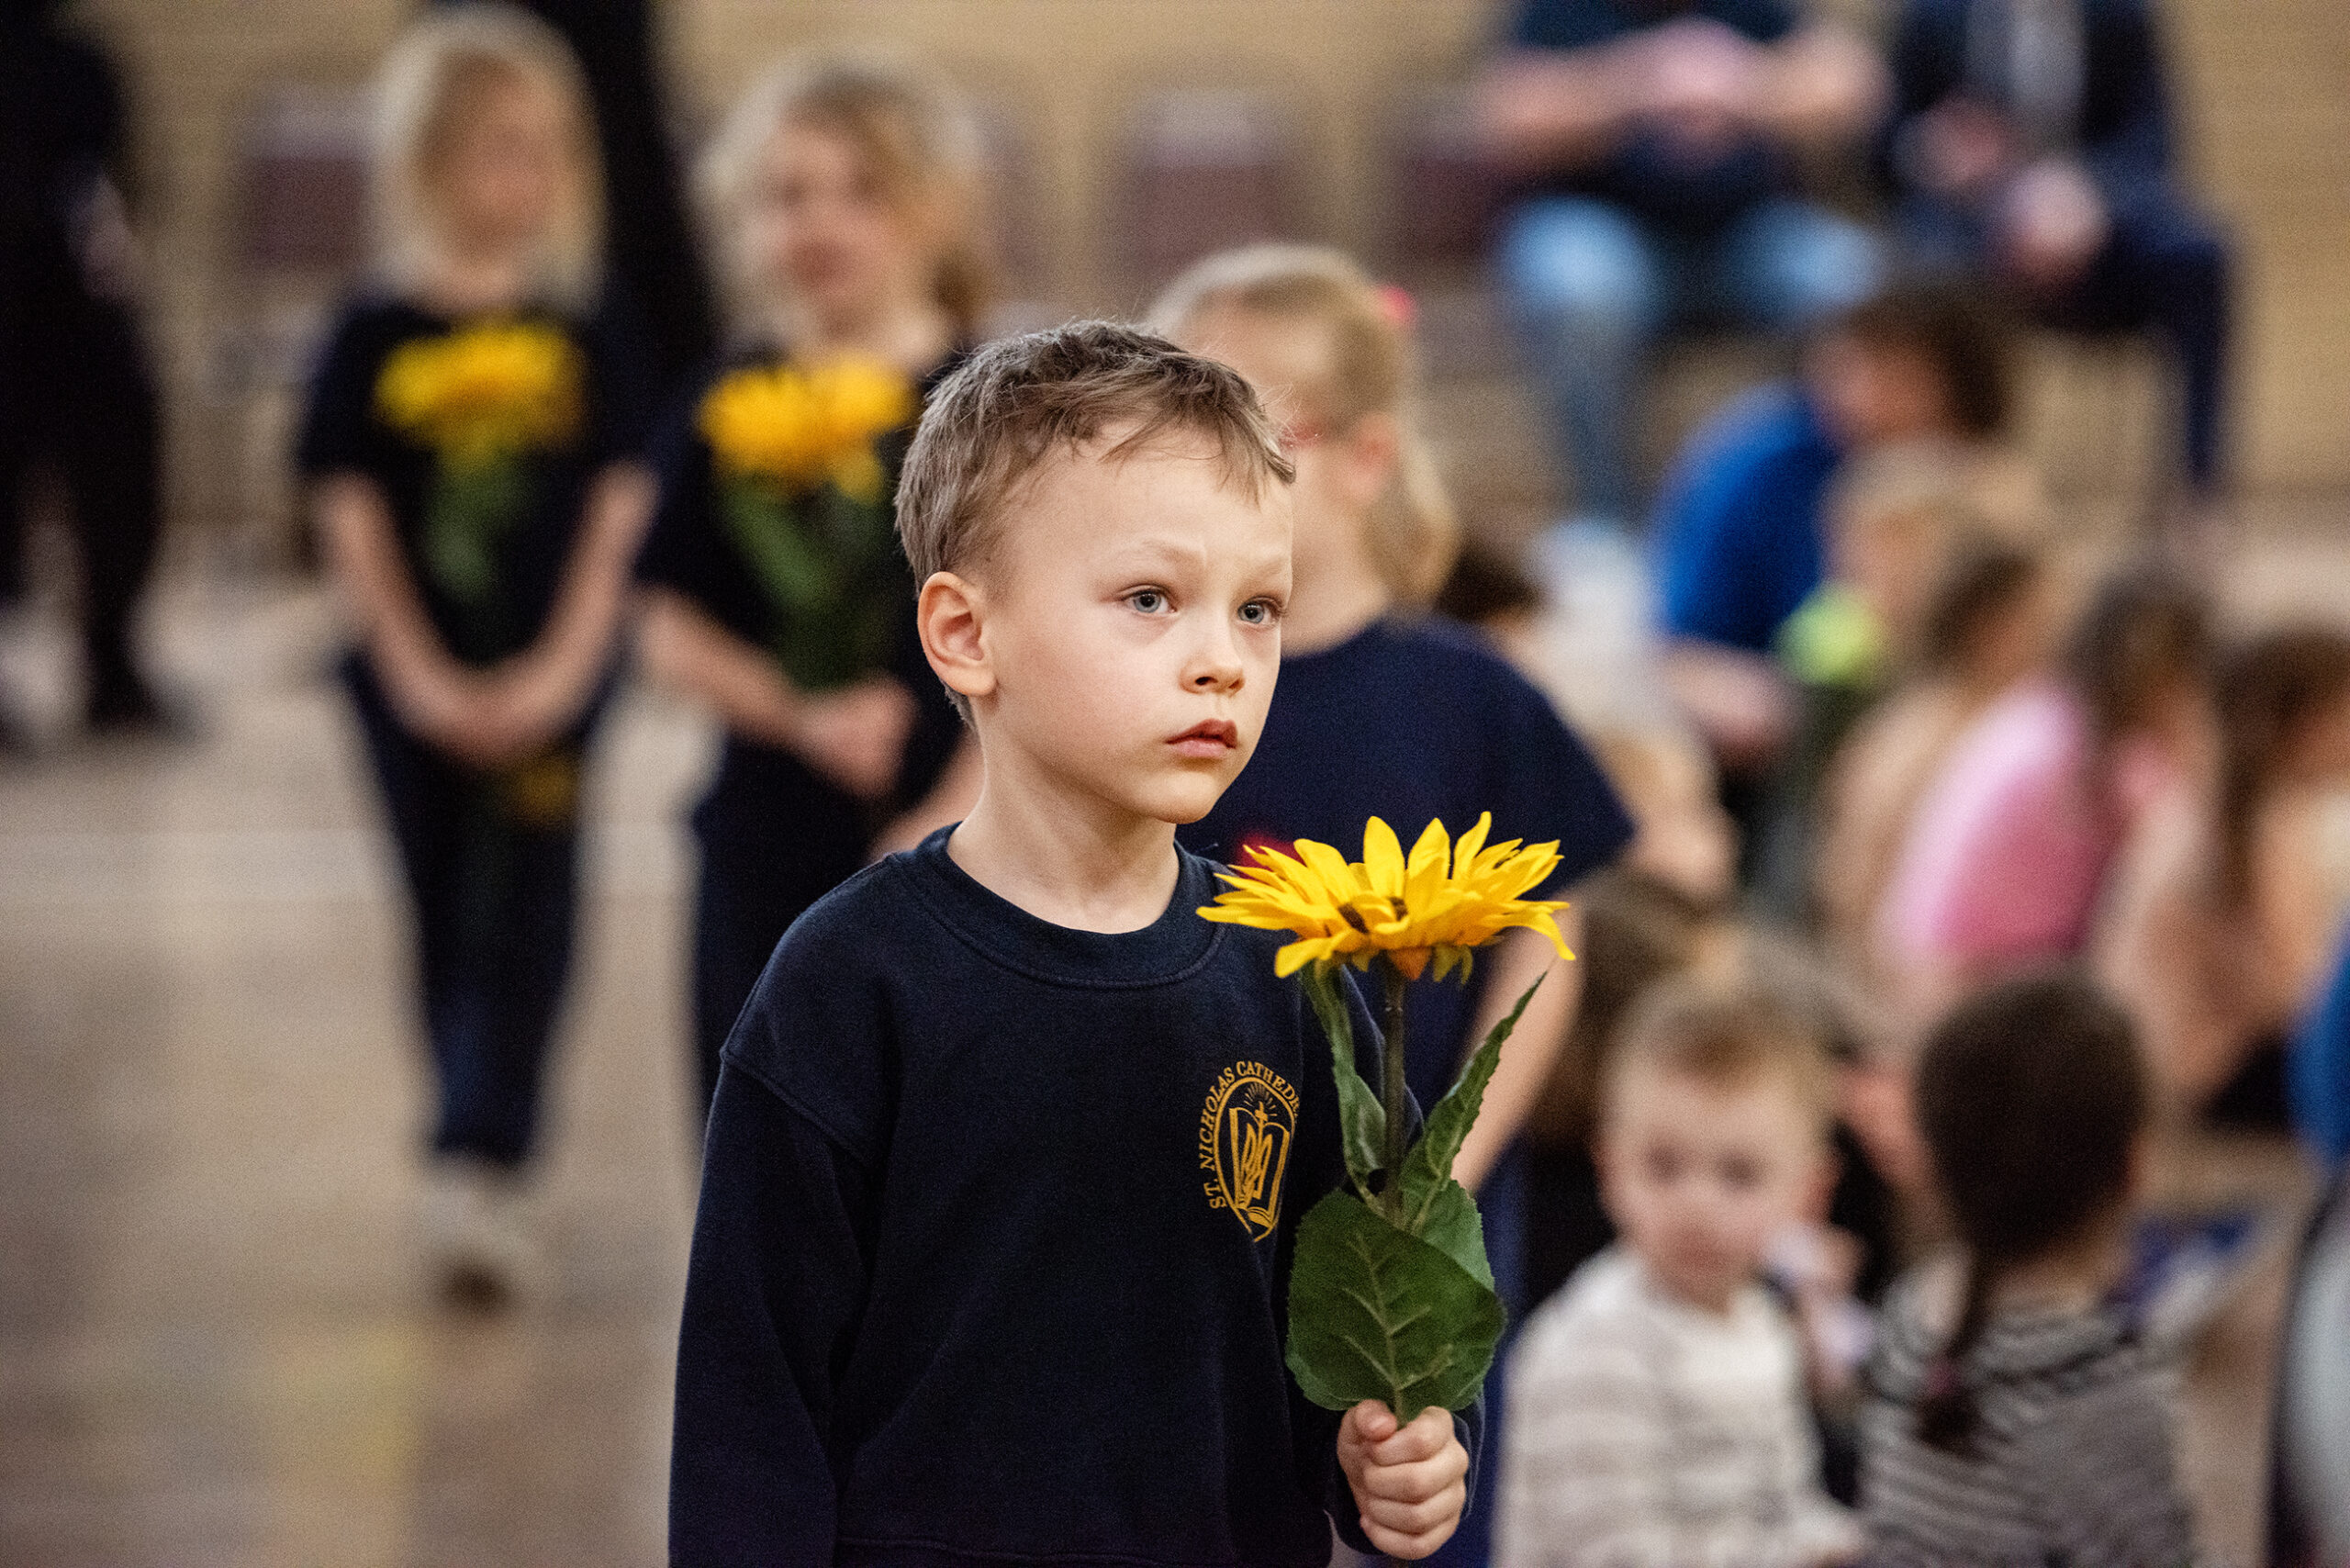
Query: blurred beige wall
[2264, 87]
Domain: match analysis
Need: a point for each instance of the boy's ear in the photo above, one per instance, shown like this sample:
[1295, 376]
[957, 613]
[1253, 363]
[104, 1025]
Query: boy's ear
[950, 615]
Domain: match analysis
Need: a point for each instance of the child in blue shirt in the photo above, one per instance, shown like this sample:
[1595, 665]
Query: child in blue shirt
[981, 1271]
[1377, 714]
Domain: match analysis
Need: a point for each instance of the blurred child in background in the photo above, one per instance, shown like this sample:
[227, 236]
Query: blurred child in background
[1593, 653]
[1987, 628]
[1897, 519]
[2221, 923]
[841, 194]
[2013, 1417]
[2008, 849]
[1658, 1403]
[471, 452]
[1381, 714]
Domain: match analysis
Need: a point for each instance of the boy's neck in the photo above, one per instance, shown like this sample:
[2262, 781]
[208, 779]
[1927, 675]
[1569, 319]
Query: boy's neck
[1068, 860]
[1331, 600]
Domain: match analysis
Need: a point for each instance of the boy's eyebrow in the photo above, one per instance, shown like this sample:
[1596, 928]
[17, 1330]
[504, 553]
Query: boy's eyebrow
[1150, 550]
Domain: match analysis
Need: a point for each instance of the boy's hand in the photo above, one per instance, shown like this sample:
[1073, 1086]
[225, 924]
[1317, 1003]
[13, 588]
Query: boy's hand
[1410, 1482]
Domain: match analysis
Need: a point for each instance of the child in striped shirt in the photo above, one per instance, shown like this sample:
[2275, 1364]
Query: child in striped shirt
[2012, 1417]
[1660, 1415]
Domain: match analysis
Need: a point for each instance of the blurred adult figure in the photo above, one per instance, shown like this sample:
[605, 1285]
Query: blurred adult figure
[2319, 1078]
[1652, 142]
[2033, 139]
[1738, 537]
[76, 397]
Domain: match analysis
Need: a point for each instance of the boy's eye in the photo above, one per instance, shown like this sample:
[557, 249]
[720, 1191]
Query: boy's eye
[1260, 612]
[1740, 1175]
[1148, 601]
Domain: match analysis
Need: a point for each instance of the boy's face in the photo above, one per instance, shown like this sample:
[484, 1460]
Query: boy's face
[1700, 1177]
[1131, 628]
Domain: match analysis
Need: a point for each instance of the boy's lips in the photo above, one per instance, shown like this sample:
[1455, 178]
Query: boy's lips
[1210, 738]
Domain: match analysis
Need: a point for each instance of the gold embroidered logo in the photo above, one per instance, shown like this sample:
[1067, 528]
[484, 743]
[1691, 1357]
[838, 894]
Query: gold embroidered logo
[1245, 1131]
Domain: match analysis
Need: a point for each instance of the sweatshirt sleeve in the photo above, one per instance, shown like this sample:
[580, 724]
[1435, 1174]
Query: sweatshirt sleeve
[781, 1252]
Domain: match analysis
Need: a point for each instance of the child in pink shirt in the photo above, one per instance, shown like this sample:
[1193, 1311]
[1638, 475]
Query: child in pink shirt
[2003, 862]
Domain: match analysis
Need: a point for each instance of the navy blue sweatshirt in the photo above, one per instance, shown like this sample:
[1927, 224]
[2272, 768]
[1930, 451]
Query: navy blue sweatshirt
[992, 1254]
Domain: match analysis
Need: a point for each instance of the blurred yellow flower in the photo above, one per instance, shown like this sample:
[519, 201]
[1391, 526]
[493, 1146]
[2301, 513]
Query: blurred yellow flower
[1435, 904]
[801, 426]
[484, 393]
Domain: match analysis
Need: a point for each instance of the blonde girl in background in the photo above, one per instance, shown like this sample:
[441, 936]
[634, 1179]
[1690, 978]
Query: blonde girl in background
[841, 195]
[1384, 711]
[471, 451]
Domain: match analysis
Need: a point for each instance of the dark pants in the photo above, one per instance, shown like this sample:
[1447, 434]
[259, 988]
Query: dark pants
[2165, 269]
[773, 839]
[740, 913]
[492, 866]
[82, 404]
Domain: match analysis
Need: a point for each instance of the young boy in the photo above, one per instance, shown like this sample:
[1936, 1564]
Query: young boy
[991, 1263]
[1658, 1406]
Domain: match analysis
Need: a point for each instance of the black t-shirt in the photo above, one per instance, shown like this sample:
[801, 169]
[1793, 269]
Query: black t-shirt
[344, 430]
[1647, 174]
[978, 1275]
[1409, 722]
[764, 800]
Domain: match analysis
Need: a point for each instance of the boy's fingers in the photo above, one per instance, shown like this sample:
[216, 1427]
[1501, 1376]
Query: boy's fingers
[1416, 1517]
[1409, 1545]
[1415, 1481]
[1431, 1430]
[1372, 1421]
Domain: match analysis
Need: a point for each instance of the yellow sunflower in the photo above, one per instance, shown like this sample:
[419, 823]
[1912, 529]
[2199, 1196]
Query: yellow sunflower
[484, 393]
[1435, 904]
[801, 426]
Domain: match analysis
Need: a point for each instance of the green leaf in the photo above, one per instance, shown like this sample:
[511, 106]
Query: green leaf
[1375, 1313]
[1362, 1124]
[1451, 1223]
[1427, 1170]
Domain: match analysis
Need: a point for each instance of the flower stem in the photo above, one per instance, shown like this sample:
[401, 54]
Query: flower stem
[1396, 1095]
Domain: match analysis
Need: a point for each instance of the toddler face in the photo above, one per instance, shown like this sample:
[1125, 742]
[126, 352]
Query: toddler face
[1700, 1177]
[1134, 627]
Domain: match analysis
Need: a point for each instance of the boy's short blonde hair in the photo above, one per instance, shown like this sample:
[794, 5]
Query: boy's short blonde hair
[1726, 1033]
[432, 78]
[1016, 405]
